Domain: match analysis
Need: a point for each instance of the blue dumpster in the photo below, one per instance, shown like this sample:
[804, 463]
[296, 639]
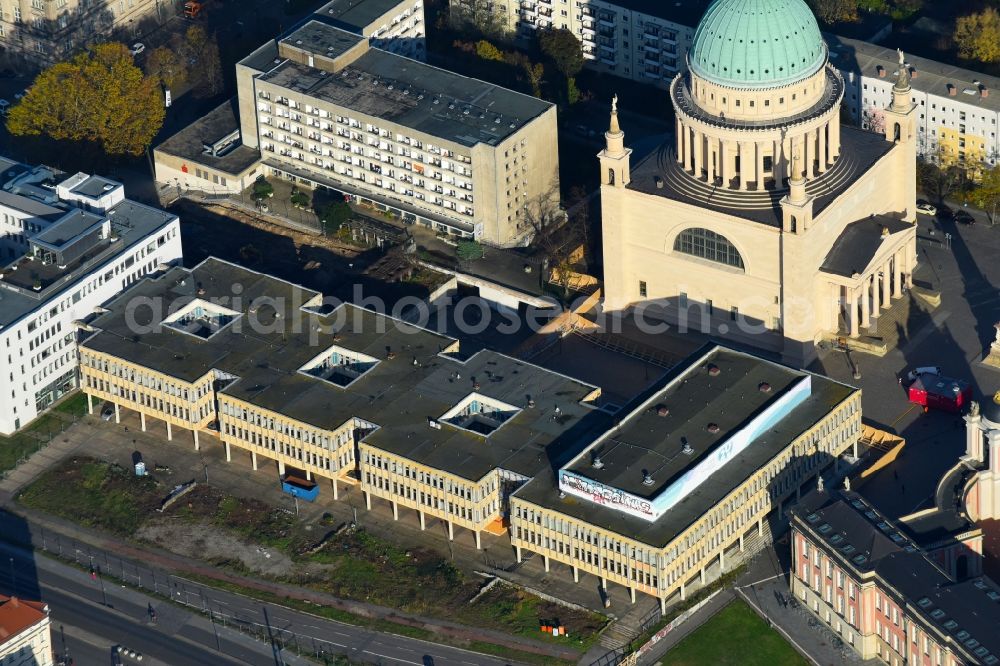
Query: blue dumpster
[301, 488]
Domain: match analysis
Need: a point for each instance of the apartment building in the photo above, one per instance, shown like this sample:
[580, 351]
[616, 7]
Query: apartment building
[25, 633]
[872, 585]
[44, 31]
[958, 115]
[391, 25]
[643, 40]
[344, 396]
[683, 486]
[67, 245]
[455, 154]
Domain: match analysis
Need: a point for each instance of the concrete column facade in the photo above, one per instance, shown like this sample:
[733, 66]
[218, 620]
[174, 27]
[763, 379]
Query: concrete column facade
[631, 594]
[834, 128]
[809, 150]
[423, 524]
[118, 414]
[576, 574]
[727, 167]
[686, 142]
[876, 296]
[309, 475]
[746, 165]
[229, 454]
[866, 303]
[479, 540]
[170, 432]
[759, 166]
[90, 404]
[368, 500]
[281, 471]
[142, 421]
[680, 141]
[253, 460]
[887, 284]
[852, 311]
[683, 596]
[698, 147]
[517, 553]
[395, 510]
[336, 493]
[451, 531]
[197, 444]
[823, 159]
[834, 308]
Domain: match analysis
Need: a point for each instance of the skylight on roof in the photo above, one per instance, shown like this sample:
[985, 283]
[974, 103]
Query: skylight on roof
[824, 528]
[963, 635]
[339, 366]
[993, 595]
[924, 602]
[480, 414]
[859, 559]
[812, 518]
[201, 318]
[950, 625]
[937, 613]
[836, 539]
[848, 549]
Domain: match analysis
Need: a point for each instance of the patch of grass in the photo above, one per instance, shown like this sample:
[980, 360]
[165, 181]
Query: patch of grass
[735, 636]
[96, 494]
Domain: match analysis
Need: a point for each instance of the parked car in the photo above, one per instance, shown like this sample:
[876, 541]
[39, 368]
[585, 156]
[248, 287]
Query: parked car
[924, 370]
[926, 208]
[137, 48]
[962, 217]
[107, 412]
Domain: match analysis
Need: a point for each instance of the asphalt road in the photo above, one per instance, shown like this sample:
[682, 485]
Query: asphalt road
[117, 614]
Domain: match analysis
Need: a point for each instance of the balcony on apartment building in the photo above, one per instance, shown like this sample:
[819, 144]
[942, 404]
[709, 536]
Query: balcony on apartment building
[607, 20]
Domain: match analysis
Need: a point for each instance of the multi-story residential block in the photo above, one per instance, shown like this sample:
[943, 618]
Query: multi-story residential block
[67, 244]
[326, 108]
[44, 31]
[391, 25]
[341, 395]
[958, 116]
[683, 487]
[456, 154]
[25, 633]
[643, 40]
[872, 585]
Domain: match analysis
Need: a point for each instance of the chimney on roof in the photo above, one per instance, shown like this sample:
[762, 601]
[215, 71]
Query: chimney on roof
[913, 72]
[14, 602]
[881, 71]
[984, 91]
[952, 90]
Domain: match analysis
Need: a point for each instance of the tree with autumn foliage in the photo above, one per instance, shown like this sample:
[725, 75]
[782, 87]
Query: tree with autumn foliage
[99, 97]
[166, 65]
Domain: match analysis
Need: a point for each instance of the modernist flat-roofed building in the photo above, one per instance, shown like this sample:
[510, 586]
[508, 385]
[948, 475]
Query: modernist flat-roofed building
[392, 25]
[456, 154]
[67, 245]
[642, 40]
[861, 574]
[684, 485]
[345, 394]
[762, 220]
[25, 633]
[958, 110]
[208, 155]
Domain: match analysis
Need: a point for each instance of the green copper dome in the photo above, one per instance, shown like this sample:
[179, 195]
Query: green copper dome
[757, 43]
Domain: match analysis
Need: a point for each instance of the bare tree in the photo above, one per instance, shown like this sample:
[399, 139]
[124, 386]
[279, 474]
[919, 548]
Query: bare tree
[556, 234]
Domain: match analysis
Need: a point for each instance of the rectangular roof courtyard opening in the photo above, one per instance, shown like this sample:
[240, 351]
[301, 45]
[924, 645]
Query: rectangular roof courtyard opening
[480, 414]
[339, 366]
[201, 319]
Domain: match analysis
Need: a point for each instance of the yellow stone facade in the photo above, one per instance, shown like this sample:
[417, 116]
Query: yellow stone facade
[762, 175]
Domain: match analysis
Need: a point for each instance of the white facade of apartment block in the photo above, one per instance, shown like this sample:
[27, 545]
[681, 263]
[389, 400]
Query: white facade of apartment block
[362, 127]
[107, 243]
[959, 110]
[392, 25]
[626, 42]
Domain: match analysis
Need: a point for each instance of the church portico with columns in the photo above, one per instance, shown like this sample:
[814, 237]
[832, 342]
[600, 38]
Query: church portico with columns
[762, 211]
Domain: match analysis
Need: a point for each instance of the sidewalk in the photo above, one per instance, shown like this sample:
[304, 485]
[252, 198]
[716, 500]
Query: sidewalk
[38, 462]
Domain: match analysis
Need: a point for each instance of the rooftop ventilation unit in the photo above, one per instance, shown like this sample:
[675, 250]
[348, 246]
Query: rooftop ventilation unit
[687, 449]
[597, 463]
[647, 479]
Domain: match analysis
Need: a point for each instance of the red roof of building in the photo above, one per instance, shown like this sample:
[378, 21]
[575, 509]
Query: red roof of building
[17, 615]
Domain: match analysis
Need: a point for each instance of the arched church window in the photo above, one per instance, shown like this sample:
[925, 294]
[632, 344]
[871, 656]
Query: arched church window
[611, 176]
[708, 245]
